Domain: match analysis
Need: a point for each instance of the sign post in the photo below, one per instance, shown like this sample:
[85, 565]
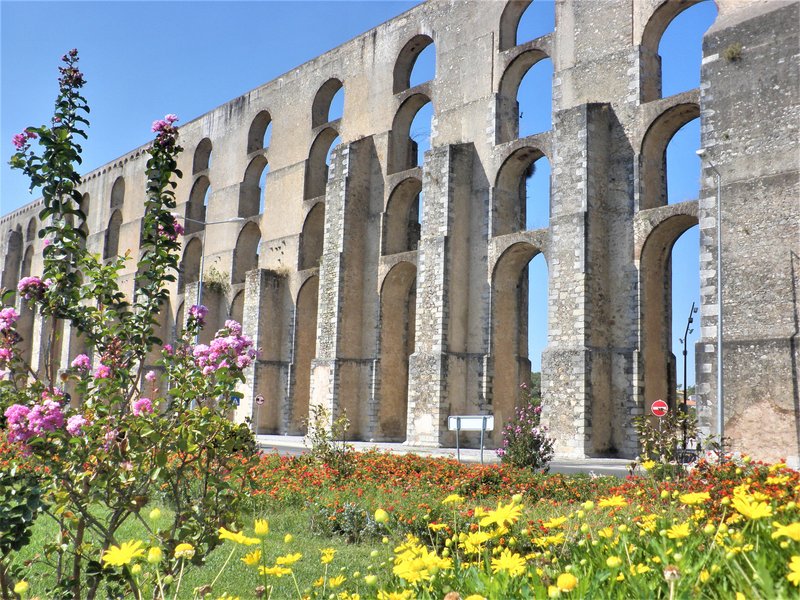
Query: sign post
[259, 403]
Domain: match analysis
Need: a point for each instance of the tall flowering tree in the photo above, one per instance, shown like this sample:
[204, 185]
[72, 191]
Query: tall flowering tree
[112, 450]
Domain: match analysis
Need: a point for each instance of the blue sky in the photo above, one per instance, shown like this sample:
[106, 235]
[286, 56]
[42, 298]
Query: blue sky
[145, 59]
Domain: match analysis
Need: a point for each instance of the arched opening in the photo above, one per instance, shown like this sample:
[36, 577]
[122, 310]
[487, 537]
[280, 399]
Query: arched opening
[196, 207]
[328, 104]
[410, 135]
[683, 166]
[398, 326]
[305, 324]
[190, 264]
[118, 194]
[522, 193]
[317, 163]
[669, 284]
[13, 262]
[525, 99]
[402, 218]
[312, 237]
[512, 317]
[406, 63]
[672, 48]
[27, 263]
[111, 245]
[237, 308]
[653, 158]
[202, 157]
[260, 133]
[523, 20]
[253, 191]
[245, 256]
[30, 232]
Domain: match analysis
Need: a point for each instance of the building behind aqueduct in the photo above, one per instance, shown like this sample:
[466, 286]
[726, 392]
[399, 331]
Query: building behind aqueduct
[359, 304]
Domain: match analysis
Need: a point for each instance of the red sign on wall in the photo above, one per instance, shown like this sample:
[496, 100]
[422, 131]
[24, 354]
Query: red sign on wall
[659, 408]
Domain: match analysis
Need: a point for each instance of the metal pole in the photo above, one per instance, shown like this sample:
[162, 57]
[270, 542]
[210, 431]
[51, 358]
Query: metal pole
[685, 341]
[200, 281]
[458, 443]
[483, 429]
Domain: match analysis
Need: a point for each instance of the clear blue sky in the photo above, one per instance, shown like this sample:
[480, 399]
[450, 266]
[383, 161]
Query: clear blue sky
[145, 59]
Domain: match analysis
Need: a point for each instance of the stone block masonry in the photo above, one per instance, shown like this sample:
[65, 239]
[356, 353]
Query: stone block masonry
[395, 289]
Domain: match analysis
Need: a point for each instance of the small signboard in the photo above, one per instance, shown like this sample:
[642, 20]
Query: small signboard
[259, 400]
[659, 408]
[459, 423]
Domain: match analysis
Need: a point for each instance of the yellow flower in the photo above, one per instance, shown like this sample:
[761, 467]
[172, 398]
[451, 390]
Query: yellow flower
[704, 576]
[694, 498]
[116, 556]
[677, 532]
[566, 582]
[404, 595]
[503, 515]
[777, 480]
[792, 530]
[511, 562]
[184, 551]
[649, 464]
[327, 555]
[227, 596]
[289, 559]
[21, 587]
[639, 569]
[613, 502]
[553, 591]
[335, 582]
[238, 537]
[557, 522]
[381, 516]
[154, 555]
[288, 538]
[606, 532]
[473, 542]
[437, 526]
[155, 514]
[475, 597]
[276, 571]
[751, 510]
[794, 571]
[319, 582]
[453, 499]
[261, 527]
[253, 558]
[613, 562]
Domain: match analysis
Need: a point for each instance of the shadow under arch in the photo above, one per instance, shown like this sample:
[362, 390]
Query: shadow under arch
[401, 229]
[305, 340]
[510, 195]
[320, 108]
[316, 166]
[406, 59]
[403, 148]
[397, 327]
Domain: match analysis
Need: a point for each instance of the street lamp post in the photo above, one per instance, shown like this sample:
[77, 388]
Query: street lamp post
[720, 396]
[685, 342]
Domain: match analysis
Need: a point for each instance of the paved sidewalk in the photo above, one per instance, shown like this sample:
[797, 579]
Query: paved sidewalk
[295, 444]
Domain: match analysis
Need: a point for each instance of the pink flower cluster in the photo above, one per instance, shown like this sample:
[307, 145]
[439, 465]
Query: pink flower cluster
[21, 140]
[25, 423]
[8, 316]
[102, 371]
[198, 312]
[32, 287]
[75, 424]
[166, 130]
[225, 351]
[81, 363]
[142, 406]
[177, 230]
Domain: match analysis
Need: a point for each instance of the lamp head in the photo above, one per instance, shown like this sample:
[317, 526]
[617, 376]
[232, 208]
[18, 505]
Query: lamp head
[701, 152]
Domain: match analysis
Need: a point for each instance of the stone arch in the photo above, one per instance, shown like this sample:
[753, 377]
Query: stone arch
[27, 263]
[251, 194]
[509, 22]
[179, 320]
[655, 284]
[202, 157]
[305, 327]
[320, 109]
[236, 311]
[397, 326]
[650, 60]
[196, 206]
[13, 260]
[30, 230]
[24, 325]
[652, 159]
[316, 165]
[118, 193]
[406, 59]
[509, 330]
[85, 206]
[510, 195]
[257, 135]
[401, 226]
[245, 255]
[508, 103]
[403, 148]
[190, 264]
[312, 237]
[111, 243]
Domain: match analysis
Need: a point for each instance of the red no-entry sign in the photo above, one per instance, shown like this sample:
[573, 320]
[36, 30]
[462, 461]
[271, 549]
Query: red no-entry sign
[659, 408]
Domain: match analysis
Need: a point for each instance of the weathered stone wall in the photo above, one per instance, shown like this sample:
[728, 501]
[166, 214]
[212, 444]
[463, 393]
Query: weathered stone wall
[359, 305]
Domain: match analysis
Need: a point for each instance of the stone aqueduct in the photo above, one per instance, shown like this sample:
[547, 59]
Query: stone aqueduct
[359, 305]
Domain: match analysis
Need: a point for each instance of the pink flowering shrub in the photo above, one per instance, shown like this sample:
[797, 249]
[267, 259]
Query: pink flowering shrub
[525, 442]
[132, 448]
